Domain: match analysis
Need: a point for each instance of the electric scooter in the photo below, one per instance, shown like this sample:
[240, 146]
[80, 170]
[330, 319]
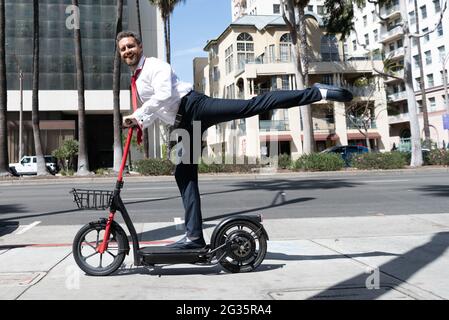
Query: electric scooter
[238, 243]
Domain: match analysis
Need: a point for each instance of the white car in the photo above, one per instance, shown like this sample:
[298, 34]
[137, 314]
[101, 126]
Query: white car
[28, 165]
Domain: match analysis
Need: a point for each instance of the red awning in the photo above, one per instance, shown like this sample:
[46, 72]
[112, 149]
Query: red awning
[360, 136]
[276, 137]
[324, 136]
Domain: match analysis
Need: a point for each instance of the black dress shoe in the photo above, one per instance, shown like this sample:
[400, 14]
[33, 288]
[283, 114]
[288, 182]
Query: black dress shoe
[186, 244]
[335, 93]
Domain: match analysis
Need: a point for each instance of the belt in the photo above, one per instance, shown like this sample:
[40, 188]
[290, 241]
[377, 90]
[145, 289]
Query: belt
[181, 111]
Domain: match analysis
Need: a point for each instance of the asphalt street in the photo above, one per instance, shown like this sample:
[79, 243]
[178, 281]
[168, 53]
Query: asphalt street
[276, 197]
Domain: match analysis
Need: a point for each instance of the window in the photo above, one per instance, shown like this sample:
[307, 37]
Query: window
[365, 20]
[328, 79]
[354, 45]
[442, 53]
[285, 45]
[245, 50]
[229, 59]
[321, 10]
[376, 35]
[430, 82]
[412, 17]
[427, 36]
[399, 43]
[432, 104]
[276, 8]
[418, 83]
[440, 30]
[423, 12]
[285, 82]
[367, 39]
[310, 8]
[391, 47]
[329, 48]
[216, 74]
[428, 55]
[437, 5]
[442, 76]
[416, 60]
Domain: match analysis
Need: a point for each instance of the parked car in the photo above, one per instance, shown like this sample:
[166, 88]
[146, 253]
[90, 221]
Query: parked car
[28, 165]
[347, 152]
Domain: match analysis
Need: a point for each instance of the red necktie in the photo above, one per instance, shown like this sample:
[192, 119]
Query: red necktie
[134, 102]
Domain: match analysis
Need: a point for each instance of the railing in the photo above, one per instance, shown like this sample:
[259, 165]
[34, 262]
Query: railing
[364, 91]
[398, 96]
[387, 34]
[405, 145]
[273, 125]
[325, 124]
[385, 12]
[360, 124]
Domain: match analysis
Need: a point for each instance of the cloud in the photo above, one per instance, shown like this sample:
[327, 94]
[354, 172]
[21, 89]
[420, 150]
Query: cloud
[188, 52]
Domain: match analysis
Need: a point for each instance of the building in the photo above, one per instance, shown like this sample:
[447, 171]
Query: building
[58, 97]
[253, 55]
[386, 38]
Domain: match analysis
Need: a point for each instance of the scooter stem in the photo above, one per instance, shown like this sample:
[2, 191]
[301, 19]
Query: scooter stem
[125, 155]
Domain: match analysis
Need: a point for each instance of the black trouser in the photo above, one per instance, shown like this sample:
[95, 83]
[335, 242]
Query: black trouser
[211, 111]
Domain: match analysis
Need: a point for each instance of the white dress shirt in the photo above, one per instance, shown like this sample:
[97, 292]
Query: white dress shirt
[159, 92]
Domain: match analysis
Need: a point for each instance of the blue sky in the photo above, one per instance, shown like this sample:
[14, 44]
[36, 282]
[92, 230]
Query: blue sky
[192, 24]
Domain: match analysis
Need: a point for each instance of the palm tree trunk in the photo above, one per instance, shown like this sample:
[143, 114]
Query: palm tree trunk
[118, 147]
[306, 110]
[83, 159]
[4, 165]
[41, 168]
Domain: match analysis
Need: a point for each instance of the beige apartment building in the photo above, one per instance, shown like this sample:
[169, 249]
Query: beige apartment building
[253, 56]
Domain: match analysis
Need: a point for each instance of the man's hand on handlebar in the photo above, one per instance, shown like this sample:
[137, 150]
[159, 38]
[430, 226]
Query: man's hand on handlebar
[129, 122]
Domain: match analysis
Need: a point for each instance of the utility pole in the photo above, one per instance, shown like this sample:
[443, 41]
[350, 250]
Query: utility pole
[21, 108]
[446, 96]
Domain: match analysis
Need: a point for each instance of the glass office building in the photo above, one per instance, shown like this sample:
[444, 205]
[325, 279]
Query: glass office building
[57, 61]
[58, 97]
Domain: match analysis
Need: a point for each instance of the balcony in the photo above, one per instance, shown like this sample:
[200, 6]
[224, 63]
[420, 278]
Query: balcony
[395, 54]
[362, 92]
[389, 35]
[360, 123]
[398, 96]
[400, 118]
[399, 73]
[324, 125]
[273, 125]
[390, 12]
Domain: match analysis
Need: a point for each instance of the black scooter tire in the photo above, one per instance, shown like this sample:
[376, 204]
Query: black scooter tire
[117, 234]
[262, 241]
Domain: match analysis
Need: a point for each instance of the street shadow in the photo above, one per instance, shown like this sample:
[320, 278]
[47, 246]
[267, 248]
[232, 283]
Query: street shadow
[169, 270]
[400, 269]
[270, 206]
[435, 190]
[293, 257]
[8, 227]
[11, 208]
[37, 215]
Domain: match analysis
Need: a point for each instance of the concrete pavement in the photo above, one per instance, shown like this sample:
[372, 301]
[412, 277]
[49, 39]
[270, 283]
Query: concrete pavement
[375, 257]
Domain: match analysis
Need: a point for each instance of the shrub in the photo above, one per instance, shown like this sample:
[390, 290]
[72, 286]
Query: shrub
[319, 162]
[66, 154]
[377, 160]
[154, 167]
[437, 157]
[284, 161]
[240, 165]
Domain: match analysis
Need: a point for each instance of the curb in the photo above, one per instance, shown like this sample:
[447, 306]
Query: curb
[222, 176]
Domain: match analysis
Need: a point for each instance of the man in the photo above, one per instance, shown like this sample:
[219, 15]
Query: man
[161, 95]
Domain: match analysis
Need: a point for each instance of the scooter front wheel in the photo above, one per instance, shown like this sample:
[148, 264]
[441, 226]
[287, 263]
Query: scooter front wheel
[86, 244]
[243, 246]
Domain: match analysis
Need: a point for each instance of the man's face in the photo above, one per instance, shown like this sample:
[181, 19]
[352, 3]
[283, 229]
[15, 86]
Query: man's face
[130, 51]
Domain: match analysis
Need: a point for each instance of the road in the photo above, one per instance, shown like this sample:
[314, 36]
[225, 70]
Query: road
[277, 197]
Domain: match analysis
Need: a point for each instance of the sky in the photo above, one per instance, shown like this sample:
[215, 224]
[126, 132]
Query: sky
[193, 23]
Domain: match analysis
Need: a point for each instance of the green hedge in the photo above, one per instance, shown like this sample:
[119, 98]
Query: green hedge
[319, 162]
[377, 160]
[437, 157]
[154, 167]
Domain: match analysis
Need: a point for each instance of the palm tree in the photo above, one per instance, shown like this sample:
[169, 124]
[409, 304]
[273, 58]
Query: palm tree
[118, 148]
[41, 168]
[166, 8]
[4, 166]
[83, 159]
[298, 34]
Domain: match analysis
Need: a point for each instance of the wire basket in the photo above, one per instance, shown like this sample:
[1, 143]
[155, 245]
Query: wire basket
[92, 199]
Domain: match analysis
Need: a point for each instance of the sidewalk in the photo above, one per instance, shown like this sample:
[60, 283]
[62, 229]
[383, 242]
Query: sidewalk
[377, 257]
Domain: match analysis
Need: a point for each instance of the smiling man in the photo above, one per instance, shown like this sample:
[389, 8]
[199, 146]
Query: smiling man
[159, 94]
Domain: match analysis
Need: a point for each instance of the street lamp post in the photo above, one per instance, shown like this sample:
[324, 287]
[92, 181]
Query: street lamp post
[446, 96]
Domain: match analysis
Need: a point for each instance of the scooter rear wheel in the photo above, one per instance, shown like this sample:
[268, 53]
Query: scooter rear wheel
[244, 246]
[85, 245]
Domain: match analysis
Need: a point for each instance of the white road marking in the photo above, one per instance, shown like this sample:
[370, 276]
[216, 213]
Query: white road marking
[179, 223]
[28, 228]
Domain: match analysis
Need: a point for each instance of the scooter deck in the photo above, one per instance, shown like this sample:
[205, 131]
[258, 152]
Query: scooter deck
[167, 255]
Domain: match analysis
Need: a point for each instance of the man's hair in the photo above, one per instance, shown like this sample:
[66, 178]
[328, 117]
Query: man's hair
[128, 34]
